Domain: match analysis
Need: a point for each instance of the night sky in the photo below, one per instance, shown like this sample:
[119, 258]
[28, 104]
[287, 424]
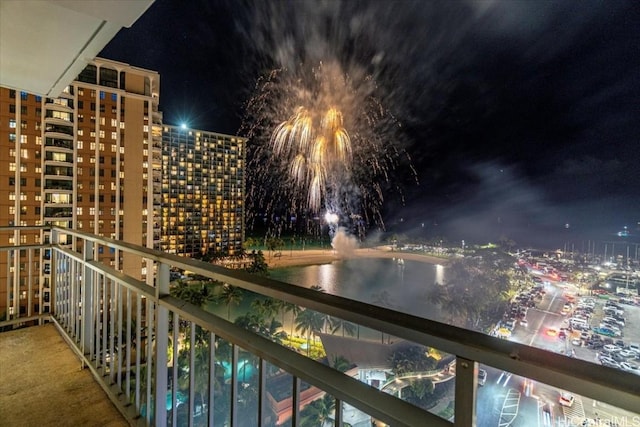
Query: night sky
[522, 118]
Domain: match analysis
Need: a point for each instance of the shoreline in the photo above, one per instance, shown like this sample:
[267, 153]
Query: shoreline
[326, 256]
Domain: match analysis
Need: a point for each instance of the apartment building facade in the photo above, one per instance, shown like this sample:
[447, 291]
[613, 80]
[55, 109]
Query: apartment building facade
[203, 181]
[89, 160]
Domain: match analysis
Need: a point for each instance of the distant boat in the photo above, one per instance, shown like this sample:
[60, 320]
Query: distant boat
[400, 261]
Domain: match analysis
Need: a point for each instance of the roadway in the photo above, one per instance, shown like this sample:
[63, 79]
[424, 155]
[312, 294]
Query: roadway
[510, 400]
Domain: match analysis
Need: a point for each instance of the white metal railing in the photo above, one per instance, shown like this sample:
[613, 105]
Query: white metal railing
[133, 336]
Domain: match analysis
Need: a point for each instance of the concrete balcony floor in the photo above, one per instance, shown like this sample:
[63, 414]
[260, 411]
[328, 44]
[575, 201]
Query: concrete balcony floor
[42, 383]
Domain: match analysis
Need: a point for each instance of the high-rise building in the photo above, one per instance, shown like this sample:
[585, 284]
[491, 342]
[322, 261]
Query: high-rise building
[90, 160]
[203, 177]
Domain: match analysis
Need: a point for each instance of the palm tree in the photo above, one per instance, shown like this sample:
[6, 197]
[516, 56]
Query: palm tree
[419, 390]
[267, 307]
[230, 295]
[273, 331]
[309, 322]
[201, 373]
[250, 321]
[456, 309]
[294, 309]
[340, 363]
[258, 264]
[318, 412]
[340, 324]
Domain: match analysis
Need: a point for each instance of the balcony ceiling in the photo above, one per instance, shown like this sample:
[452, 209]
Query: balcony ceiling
[44, 44]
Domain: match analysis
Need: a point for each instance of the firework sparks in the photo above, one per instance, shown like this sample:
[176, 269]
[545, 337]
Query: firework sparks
[317, 150]
[320, 141]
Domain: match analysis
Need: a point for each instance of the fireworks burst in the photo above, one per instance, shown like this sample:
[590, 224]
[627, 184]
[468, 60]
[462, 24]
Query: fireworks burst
[318, 150]
[320, 140]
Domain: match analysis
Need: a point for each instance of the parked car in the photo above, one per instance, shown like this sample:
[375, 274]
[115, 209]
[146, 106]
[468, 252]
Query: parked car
[482, 376]
[603, 330]
[615, 321]
[628, 354]
[630, 367]
[594, 344]
[614, 328]
[611, 348]
[566, 399]
[610, 362]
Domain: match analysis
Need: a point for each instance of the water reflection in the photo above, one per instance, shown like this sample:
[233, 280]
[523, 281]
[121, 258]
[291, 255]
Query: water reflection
[383, 282]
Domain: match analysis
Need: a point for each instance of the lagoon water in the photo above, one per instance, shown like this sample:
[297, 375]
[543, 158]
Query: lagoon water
[390, 283]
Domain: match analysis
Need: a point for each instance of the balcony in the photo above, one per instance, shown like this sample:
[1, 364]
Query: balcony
[136, 340]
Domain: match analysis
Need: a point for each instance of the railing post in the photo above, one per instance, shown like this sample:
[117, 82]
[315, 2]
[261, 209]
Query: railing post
[465, 396]
[162, 340]
[87, 299]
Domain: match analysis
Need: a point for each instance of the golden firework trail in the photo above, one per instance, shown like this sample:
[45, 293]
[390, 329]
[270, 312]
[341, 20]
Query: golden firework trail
[318, 147]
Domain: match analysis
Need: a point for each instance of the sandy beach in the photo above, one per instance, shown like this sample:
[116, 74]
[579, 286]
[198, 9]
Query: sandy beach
[288, 258]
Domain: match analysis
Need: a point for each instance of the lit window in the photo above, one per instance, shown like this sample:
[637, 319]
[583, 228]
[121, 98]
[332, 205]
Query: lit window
[12, 123]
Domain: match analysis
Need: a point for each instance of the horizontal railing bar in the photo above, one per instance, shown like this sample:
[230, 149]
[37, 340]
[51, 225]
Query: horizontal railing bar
[23, 247]
[370, 400]
[25, 227]
[15, 321]
[112, 273]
